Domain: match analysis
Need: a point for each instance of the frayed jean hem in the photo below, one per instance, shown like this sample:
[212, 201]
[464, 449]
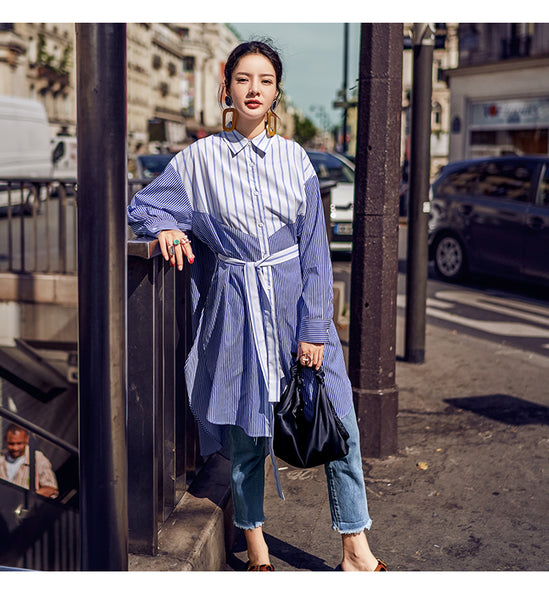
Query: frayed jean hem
[350, 528]
[248, 526]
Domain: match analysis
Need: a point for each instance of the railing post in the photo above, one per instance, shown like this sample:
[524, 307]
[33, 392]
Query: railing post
[62, 220]
[144, 389]
[152, 394]
[102, 226]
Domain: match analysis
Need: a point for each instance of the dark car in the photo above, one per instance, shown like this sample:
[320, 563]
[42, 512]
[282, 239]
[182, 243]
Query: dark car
[491, 215]
[148, 166]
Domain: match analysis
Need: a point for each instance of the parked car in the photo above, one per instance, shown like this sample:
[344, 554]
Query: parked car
[491, 215]
[148, 166]
[334, 167]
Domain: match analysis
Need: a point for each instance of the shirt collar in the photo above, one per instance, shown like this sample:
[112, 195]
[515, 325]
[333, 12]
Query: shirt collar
[236, 141]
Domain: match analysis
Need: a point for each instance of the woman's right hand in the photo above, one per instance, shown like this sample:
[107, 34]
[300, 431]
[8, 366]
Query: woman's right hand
[175, 244]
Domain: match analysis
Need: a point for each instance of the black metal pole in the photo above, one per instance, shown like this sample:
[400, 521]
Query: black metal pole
[418, 213]
[345, 83]
[102, 181]
[374, 270]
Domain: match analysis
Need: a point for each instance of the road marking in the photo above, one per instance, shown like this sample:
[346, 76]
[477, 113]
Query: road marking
[498, 305]
[502, 328]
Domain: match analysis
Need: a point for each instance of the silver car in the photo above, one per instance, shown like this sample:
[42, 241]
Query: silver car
[334, 167]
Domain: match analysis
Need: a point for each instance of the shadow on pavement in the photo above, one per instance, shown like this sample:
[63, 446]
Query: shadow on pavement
[503, 408]
[283, 551]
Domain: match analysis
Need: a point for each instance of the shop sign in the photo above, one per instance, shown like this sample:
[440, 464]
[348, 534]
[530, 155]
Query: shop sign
[510, 112]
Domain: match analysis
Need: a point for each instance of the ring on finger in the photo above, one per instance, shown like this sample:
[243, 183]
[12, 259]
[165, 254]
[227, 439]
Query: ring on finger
[171, 250]
[175, 242]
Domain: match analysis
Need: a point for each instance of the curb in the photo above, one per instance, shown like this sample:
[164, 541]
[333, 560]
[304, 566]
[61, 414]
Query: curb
[199, 533]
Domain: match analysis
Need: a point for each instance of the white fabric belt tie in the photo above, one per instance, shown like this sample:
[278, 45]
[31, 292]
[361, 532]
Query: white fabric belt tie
[263, 321]
[265, 329]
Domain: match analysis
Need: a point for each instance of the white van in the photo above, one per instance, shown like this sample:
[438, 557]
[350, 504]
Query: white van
[24, 144]
[64, 157]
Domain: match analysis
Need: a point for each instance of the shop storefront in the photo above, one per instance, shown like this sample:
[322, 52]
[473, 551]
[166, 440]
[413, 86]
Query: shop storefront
[498, 109]
[508, 127]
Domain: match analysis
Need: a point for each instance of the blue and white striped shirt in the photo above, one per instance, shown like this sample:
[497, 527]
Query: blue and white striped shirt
[261, 280]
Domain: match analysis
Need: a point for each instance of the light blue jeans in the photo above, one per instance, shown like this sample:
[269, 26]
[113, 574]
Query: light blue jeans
[345, 478]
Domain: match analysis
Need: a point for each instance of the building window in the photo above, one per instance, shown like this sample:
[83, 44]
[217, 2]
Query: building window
[436, 116]
[518, 43]
[188, 63]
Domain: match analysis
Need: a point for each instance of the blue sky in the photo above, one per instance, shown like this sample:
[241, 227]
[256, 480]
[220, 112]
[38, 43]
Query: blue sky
[312, 55]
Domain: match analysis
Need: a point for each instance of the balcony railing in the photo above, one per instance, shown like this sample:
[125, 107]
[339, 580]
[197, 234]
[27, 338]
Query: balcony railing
[516, 47]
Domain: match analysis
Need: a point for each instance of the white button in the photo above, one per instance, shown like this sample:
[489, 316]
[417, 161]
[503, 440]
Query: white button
[260, 224]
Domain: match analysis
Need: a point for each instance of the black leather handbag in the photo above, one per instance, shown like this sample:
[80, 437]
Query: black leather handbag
[299, 442]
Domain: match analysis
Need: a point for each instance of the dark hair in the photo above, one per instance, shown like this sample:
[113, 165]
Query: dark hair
[253, 47]
[13, 428]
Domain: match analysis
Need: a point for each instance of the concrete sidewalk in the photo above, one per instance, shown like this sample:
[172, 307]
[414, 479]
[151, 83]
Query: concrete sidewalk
[467, 489]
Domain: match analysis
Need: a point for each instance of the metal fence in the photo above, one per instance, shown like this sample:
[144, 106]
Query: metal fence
[38, 224]
[162, 434]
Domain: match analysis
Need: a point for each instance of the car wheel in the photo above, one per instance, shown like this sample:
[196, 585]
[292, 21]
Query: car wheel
[450, 259]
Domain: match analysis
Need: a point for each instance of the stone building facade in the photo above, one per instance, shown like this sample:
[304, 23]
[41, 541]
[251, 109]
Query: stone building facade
[37, 60]
[174, 72]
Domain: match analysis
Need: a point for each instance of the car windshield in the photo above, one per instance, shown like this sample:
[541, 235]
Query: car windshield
[154, 164]
[329, 167]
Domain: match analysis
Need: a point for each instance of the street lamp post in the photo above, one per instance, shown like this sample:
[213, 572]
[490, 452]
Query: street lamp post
[418, 213]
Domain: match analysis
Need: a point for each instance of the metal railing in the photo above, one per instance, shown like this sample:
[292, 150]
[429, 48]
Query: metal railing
[162, 434]
[38, 533]
[38, 224]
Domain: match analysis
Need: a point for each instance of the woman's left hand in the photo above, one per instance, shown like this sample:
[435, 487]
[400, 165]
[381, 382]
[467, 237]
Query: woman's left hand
[314, 351]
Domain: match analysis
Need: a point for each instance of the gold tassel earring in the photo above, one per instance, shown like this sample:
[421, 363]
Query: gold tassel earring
[231, 114]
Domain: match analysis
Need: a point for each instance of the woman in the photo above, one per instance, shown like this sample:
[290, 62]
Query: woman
[261, 290]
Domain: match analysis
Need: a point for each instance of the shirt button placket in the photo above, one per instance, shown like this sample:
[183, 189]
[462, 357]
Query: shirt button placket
[261, 233]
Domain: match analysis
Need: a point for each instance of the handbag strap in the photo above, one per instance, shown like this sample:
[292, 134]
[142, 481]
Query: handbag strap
[297, 370]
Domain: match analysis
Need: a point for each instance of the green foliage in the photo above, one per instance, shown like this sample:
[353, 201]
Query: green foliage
[304, 130]
[48, 60]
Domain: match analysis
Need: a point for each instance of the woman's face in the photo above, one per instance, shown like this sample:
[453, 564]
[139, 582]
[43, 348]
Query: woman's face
[253, 87]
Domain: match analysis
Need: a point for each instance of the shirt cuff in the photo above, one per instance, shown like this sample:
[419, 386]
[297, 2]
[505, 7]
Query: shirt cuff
[314, 332]
[162, 226]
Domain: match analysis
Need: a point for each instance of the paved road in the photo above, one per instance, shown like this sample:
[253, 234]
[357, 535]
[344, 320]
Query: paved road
[509, 313]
